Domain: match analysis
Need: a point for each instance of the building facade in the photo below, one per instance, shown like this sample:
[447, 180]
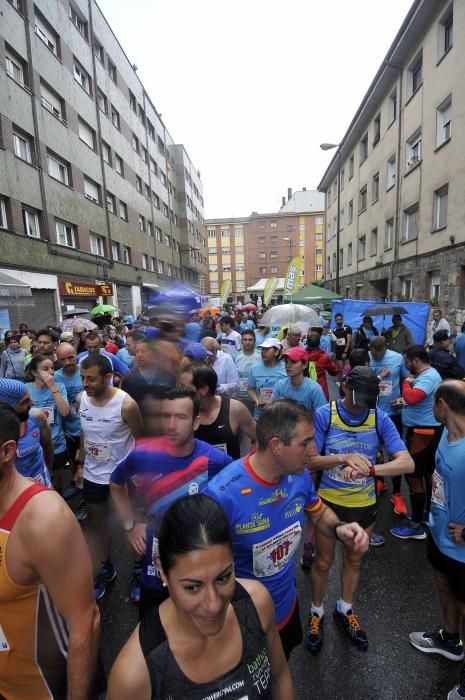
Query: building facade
[400, 169]
[261, 245]
[93, 189]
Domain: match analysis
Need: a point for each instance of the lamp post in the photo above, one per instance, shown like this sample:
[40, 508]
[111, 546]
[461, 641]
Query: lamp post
[328, 147]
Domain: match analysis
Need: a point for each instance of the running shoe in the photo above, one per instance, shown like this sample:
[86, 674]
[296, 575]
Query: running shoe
[435, 643]
[106, 576]
[313, 637]
[136, 580]
[380, 486]
[70, 491]
[308, 555]
[82, 511]
[376, 540]
[408, 532]
[398, 504]
[425, 517]
[351, 624]
[458, 692]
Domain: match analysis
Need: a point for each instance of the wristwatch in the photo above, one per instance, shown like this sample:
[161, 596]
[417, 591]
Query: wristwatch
[128, 525]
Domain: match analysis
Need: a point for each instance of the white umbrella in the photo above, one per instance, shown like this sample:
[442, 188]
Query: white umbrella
[288, 314]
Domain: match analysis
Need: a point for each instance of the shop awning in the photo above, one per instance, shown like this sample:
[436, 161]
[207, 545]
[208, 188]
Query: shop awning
[12, 287]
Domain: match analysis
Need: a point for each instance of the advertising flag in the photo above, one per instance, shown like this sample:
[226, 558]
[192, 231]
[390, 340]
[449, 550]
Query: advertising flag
[225, 291]
[291, 283]
[270, 288]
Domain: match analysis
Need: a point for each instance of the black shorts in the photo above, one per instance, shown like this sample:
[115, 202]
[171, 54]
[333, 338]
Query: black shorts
[365, 516]
[72, 443]
[452, 569]
[60, 460]
[95, 493]
[291, 634]
[422, 443]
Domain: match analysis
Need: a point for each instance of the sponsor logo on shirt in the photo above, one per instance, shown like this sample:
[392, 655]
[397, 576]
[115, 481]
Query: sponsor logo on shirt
[294, 508]
[234, 478]
[257, 523]
[278, 496]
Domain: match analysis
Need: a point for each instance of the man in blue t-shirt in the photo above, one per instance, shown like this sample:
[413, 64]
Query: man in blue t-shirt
[446, 539]
[265, 374]
[70, 376]
[264, 496]
[155, 474]
[422, 437]
[94, 344]
[296, 386]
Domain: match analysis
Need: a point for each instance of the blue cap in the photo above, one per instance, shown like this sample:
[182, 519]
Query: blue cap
[197, 352]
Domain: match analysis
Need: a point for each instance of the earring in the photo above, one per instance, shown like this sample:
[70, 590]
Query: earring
[163, 583]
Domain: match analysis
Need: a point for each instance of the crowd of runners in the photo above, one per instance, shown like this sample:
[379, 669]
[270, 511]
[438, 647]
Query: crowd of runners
[217, 446]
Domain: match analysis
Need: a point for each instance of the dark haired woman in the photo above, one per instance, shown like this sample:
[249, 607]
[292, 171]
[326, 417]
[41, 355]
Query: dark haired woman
[213, 635]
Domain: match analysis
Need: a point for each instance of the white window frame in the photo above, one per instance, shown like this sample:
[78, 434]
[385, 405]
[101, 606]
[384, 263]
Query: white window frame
[106, 151]
[14, 67]
[444, 122]
[30, 216]
[435, 288]
[119, 165]
[86, 134]
[123, 207]
[388, 234]
[115, 118]
[446, 32]
[46, 35]
[110, 202]
[160, 267]
[126, 255]
[440, 206]
[78, 21]
[392, 107]
[374, 188]
[3, 217]
[407, 288]
[51, 101]
[65, 233]
[97, 245]
[91, 190]
[82, 77]
[145, 261]
[415, 75]
[361, 248]
[373, 242]
[115, 251]
[391, 172]
[22, 145]
[411, 221]
[413, 150]
[57, 169]
[102, 102]
[141, 223]
[98, 50]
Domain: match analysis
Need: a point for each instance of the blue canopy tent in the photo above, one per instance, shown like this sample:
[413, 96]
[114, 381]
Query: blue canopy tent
[353, 311]
[180, 295]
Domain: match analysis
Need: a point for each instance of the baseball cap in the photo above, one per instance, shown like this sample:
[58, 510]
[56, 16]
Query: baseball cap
[296, 354]
[442, 334]
[364, 385]
[197, 352]
[271, 343]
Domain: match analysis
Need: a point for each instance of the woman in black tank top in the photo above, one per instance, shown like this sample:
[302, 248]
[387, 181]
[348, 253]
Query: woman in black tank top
[215, 636]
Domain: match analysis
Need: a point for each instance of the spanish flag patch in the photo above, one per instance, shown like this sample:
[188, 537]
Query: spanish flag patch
[246, 492]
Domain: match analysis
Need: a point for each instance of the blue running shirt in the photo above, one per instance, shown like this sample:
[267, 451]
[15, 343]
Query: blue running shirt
[389, 387]
[421, 413]
[263, 379]
[309, 394]
[44, 400]
[29, 459]
[73, 386]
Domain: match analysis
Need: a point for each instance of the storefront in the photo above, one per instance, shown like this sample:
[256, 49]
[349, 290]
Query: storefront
[82, 294]
[124, 299]
[27, 297]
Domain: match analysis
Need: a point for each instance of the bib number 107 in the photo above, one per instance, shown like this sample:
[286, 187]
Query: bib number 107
[279, 552]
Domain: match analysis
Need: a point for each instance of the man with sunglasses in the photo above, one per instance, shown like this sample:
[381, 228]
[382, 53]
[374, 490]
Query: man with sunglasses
[79, 338]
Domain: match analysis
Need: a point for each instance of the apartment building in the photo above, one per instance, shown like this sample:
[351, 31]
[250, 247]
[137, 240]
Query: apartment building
[95, 196]
[400, 170]
[246, 250]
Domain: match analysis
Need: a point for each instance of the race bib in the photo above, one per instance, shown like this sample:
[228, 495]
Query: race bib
[4, 646]
[243, 385]
[385, 387]
[437, 495]
[98, 451]
[48, 413]
[340, 341]
[265, 392]
[222, 447]
[272, 555]
[336, 475]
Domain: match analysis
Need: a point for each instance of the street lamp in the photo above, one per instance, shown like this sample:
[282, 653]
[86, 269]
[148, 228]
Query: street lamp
[329, 147]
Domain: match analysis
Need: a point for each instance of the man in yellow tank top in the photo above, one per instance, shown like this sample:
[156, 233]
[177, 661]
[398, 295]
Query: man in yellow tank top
[49, 622]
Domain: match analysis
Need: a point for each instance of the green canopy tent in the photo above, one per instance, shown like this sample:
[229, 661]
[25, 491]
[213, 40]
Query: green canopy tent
[313, 294]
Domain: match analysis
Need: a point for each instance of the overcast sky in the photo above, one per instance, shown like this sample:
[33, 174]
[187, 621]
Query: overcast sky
[252, 87]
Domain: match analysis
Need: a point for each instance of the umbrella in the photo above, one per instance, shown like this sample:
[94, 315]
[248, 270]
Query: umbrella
[212, 309]
[384, 310]
[69, 323]
[75, 312]
[103, 309]
[178, 295]
[249, 307]
[288, 314]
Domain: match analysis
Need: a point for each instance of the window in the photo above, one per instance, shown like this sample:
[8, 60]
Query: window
[15, 67]
[164, 181]
[86, 134]
[362, 204]
[274, 254]
[110, 202]
[82, 77]
[351, 166]
[392, 107]
[119, 166]
[290, 227]
[262, 270]
[160, 267]
[391, 173]
[273, 224]
[375, 188]
[226, 268]
[318, 251]
[97, 245]
[126, 254]
[153, 166]
[435, 284]
[341, 258]
[212, 252]
[165, 209]
[440, 202]
[407, 288]
[17, 4]
[167, 240]
[31, 223]
[318, 268]
[65, 234]
[106, 152]
[413, 150]
[145, 261]
[261, 239]
[3, 217]
[115, 117]
[364, 149]
[152, 264]
[213, 268]
[115, 250]
[91, 190]
[132, 101]
[98, 51]
[23, 145]
[374, 241]
[144, 154]
[46, 34]
[51, 101]
[443, 121]
[150, 228]
[328, 198]
[415, 75]
[141, 223]
[376, 129]
[79, 21]
[161, 145]
[102, 102]
[211, 233]
[445, 33]
[135, 143]
[318, 221]
[58, 168]
[141, 115]
[389, 234]
[349, 254]
[112, 71]
[238, 232]
[273, 270]
[158, 234]
[226, 251]
[362, 247]
[123, 210]
[147, 191]
[411, 222]
[262, 255]
[138, 184]
[151, 129]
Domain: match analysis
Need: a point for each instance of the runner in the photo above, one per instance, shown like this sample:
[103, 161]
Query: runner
[49, 623]
[230, 340]
[223, 421]
[70, 376]
[47, 342]
[147, 372]
[223, 364]
[319, 362]
[265, 374]
[34, 451]
[348, 435]
[110, 420]
[422, 438]
[296, 386]
[215, 634]
[244, 360]
[446, 538]
[94, 344]
[264, 496]
[156, 473]
[341, 343]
